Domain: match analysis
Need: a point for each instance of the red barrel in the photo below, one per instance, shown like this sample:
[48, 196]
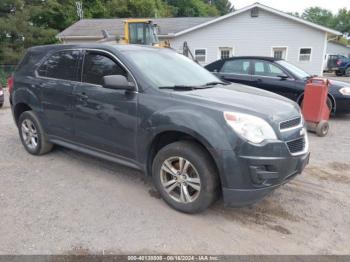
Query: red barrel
[315, 110]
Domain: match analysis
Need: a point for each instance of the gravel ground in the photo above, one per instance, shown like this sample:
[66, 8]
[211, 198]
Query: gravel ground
[69, 203]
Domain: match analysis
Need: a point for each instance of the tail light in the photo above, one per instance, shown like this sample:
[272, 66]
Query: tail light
[338, 62]
[10, 84]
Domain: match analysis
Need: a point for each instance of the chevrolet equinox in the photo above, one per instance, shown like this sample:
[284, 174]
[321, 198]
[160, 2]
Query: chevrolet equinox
[157, 111]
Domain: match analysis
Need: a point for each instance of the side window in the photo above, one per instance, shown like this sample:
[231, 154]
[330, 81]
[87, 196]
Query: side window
[259, 69]
[274, 70]
[97, 65]
[237, 66]
[60, 65]
[262, 68]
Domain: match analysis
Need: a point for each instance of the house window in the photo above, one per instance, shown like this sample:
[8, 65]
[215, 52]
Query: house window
[279, 52]
[200, 55]
[305, 54]
[225, 52]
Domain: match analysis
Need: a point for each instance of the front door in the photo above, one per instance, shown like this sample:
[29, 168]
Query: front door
[57, 76]
[105, 119]
[270, 77]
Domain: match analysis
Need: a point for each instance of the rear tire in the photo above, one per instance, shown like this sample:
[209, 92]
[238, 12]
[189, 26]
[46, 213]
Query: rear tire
[338, 73]
[322, 128]
[186, 177]
[32, 134]
[1, 104]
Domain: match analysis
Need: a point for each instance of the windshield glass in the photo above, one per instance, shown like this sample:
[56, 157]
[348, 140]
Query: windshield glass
[167, 68]
[142, 33]
[299, 73]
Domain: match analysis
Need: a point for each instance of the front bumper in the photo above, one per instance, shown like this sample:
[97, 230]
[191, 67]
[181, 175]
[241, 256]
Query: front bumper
[265, 174]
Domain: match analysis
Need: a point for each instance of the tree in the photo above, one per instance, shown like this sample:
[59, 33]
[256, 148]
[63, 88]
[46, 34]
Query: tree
[18, 31]
[339, 21]
[342, 21]
[319, 16]
[223, 6]
[190, 8]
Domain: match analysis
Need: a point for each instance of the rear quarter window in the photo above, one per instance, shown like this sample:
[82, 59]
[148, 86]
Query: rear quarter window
[60, 65]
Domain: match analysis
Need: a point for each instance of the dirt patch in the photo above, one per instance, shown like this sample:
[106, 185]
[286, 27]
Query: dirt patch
[339, 166]
[154, 193]
[265, 213]
[280, 229]
[325, 175]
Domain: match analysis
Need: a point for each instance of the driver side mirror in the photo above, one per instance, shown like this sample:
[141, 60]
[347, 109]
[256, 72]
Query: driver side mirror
[118, 82]
[283, 76]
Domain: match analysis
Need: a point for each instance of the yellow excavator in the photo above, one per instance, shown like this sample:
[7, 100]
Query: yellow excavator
[144, 32]
[141, 32]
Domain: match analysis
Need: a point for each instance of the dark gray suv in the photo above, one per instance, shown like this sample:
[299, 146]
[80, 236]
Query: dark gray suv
[157, 111]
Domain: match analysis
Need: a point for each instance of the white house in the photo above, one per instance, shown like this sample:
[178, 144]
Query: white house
[254, 30]
[335, 48]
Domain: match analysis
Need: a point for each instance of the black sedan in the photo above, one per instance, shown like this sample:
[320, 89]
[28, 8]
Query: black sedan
[278, 76]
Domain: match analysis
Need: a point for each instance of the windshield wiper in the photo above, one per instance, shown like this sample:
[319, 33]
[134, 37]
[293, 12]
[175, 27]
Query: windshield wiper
[215, 83]
[186, 88]
[178, 87]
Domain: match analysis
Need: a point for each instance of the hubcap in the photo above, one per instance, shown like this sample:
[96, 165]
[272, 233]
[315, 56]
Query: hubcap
[29, 134]
[180, 179]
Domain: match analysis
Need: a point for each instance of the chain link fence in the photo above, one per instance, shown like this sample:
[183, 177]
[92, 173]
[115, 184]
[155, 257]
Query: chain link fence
[5, 72]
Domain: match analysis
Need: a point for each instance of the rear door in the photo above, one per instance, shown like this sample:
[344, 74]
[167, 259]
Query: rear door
[105, 119]
[268, 76]
[57, 76]
[236, 71]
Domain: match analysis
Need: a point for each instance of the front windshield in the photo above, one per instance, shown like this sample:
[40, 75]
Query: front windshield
[299, 73]
[166, 68]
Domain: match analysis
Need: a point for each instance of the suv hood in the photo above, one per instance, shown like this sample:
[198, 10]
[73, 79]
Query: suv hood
[245, 99]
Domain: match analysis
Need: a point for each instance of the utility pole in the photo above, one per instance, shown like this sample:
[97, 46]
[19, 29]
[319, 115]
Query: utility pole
[80, 11]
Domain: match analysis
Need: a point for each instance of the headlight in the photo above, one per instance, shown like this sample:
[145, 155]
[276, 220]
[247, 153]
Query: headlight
[252, 128]
[345, 91]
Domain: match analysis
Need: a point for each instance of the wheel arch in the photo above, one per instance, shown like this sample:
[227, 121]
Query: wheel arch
[167, 137]
[19, 109]
[334, 105]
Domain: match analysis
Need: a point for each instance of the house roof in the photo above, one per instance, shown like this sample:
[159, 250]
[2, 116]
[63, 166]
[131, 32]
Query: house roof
[266, 8]
[92, 28]
[171, 27]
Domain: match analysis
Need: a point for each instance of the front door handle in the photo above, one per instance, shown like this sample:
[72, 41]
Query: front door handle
[82, 97]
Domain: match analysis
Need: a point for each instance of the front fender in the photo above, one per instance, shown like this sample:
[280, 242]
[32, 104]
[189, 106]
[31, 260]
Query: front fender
[208, 127]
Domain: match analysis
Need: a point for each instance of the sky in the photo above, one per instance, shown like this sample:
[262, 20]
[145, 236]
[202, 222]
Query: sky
[295, 5]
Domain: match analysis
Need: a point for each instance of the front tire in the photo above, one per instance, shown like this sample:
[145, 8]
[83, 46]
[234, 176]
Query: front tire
[186, 177]
[32, 134]
[347, 71]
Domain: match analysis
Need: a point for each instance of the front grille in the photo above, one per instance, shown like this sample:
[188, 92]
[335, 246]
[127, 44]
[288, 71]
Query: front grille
[290, 123]
[297, 145]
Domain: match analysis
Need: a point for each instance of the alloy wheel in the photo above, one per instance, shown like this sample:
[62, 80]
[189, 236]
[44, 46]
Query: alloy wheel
[29, 134]
[180, 179]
